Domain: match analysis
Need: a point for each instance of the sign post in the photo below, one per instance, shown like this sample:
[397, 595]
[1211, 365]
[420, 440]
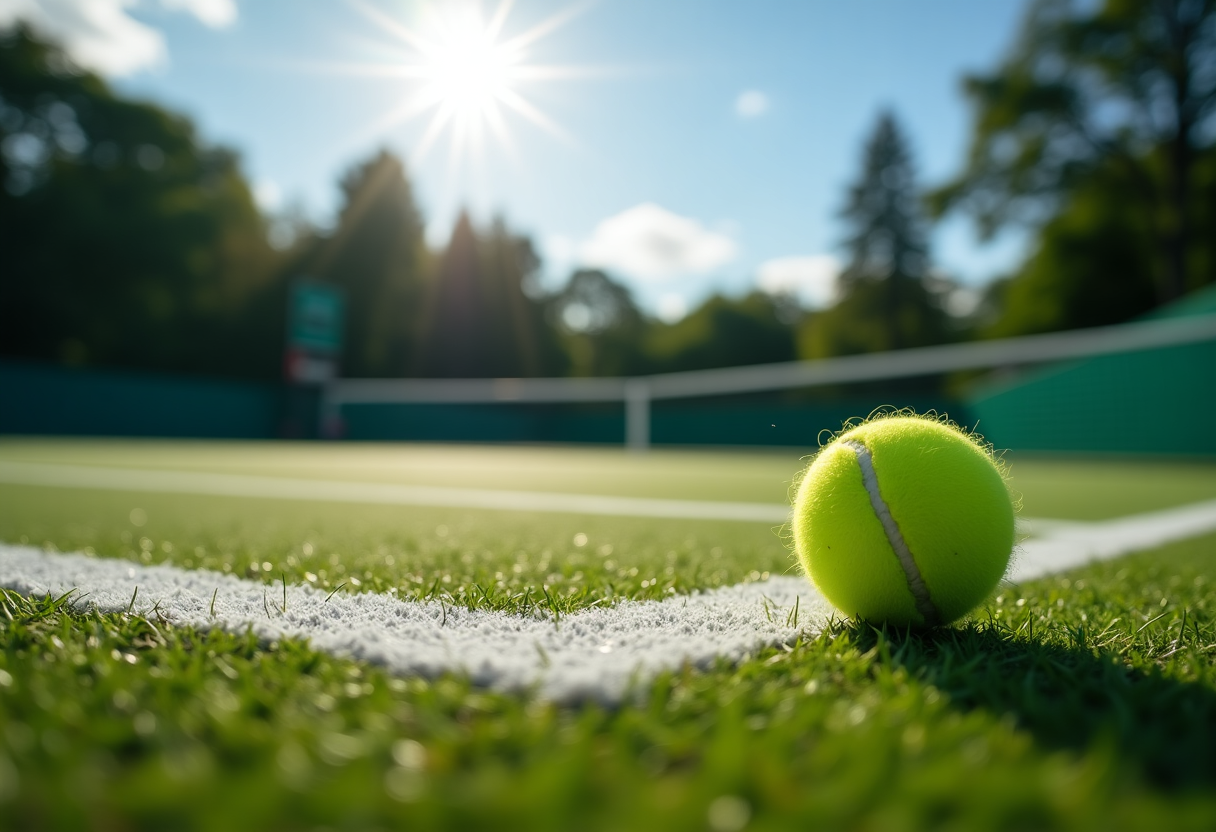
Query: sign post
[314, 348]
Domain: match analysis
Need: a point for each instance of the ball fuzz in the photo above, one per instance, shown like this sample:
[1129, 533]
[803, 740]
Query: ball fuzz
[904, 520]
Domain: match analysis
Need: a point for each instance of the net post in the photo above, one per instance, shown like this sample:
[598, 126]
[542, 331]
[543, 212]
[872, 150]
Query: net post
[637, 414]
[329, 413]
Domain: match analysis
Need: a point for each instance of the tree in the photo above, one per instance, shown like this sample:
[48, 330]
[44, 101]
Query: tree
[524, 343]
[378, 256]
[1120, 96]
[724, 332]
[602, 330]
[884, 301]
[124, 240]
[478, 319]
[1092, 264]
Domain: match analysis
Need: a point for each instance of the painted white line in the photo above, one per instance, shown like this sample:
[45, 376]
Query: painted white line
[344, 491]
[284, 488]
[1066, 546]
[593, 654]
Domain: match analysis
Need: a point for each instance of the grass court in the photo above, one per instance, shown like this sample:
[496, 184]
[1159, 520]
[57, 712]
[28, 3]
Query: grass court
[1085, 700]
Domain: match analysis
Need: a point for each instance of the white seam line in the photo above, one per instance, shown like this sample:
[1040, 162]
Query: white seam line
[916, 583]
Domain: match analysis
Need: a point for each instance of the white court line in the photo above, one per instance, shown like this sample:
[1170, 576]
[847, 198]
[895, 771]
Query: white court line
[344, 491]
[284, 488]
[1062, 547]
[593, 654]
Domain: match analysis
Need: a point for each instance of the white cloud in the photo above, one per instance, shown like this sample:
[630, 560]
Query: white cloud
[751, 103]
[101, 35]
[812, 279]
[649, 242]
[216, 14]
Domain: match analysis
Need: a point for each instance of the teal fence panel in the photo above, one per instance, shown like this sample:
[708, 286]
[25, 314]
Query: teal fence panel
[50, 400]
[1159, 401]
[1152, 402]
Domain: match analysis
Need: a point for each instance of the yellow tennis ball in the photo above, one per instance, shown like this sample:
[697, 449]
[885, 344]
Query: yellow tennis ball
[904, 520]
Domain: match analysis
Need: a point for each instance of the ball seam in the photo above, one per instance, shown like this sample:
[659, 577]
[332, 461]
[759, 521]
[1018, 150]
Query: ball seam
[916, 582]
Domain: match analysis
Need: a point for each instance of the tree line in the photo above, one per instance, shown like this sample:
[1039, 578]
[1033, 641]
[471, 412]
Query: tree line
[128, 241]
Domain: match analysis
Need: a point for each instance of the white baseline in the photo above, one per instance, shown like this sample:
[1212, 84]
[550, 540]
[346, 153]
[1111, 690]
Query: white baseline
[597, 654]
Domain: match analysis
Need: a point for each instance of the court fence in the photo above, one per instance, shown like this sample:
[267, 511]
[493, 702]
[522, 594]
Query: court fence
[1147, 387]
[1143, 387]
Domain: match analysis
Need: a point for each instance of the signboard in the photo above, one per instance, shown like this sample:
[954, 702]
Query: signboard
[315, 320]
[314, 333]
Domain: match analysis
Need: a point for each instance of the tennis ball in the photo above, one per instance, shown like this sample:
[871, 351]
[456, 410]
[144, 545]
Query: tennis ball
[904, 520]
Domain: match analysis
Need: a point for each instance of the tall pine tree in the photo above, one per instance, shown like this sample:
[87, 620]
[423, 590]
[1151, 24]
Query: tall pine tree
[884, 302]
[478, 320]
[378, 257]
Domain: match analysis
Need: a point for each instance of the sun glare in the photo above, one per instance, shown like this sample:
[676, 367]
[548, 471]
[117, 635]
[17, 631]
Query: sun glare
[462, 71]
[467, 70]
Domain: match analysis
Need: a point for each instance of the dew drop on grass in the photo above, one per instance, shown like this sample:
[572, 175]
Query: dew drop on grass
[123, 701]
[337, 749]
[728, 813]
[144, 723]
[409, 754]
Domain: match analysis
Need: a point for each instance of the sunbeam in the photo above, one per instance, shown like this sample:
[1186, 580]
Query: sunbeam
[463, 72]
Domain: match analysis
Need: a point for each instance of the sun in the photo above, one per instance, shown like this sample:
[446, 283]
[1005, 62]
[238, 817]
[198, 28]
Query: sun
[463, 72]
[466, 70]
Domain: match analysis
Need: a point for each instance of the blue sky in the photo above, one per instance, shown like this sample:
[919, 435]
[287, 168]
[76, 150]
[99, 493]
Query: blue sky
[691, 146]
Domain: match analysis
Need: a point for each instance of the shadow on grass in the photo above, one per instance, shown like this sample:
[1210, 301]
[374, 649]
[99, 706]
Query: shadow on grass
[1068, 697]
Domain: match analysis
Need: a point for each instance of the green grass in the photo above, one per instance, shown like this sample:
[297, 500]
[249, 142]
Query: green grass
[755, 476]
[1080, 701]
[414, 550]
[1102, 489]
